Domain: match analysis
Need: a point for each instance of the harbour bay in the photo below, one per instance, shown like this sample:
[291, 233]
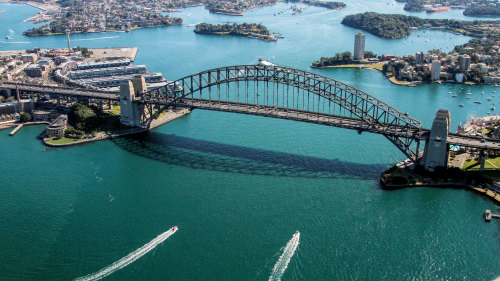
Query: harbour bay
[68, 212]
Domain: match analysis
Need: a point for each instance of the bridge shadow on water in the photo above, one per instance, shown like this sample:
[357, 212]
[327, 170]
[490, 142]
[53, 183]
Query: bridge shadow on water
[199, 154]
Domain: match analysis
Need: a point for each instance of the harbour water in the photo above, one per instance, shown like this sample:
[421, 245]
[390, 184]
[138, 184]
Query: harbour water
[238, 186]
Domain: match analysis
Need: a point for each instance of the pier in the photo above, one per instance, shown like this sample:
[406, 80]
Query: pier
[17, 128]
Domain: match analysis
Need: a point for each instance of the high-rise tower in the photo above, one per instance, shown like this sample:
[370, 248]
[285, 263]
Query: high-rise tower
[359, 46]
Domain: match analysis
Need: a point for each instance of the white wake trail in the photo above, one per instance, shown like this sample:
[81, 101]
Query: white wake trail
[130, 258]
[95, 38]
[284, 259]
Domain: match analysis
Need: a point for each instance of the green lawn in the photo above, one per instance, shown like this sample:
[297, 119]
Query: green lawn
[473, 164]
[63, 140]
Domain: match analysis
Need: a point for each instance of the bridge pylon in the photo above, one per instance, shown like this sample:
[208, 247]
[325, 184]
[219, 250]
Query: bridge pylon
[436, 150]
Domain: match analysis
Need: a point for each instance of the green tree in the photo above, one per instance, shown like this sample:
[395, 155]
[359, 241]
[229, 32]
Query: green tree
[25, 117]
[370, 54]
[83, 117]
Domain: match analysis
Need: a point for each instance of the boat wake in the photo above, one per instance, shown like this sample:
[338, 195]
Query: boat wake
[284, 259]
[130, 258]
[8, 42]
[96, 38]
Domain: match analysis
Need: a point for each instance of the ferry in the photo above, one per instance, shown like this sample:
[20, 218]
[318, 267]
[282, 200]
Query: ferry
[438, 9]
[477, 101]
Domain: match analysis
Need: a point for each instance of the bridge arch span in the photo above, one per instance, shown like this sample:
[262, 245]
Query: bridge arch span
[277, 91]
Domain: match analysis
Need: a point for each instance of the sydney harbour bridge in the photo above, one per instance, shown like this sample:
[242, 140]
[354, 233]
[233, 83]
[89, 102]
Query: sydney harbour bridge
[278, 92]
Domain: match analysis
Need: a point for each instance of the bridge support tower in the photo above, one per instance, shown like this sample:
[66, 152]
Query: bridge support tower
[132, 113]
[436, 148]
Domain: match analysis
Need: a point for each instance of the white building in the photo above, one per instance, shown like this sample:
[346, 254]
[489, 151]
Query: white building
[359, 46]
[435, 69]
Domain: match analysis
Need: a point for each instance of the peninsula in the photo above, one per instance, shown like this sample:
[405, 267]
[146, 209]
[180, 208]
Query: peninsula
[476, 62]
[80, 16]
[252, 30]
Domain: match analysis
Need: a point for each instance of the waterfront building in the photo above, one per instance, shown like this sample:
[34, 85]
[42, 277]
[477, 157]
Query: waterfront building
[464, 62]
[435, 70]
[104, 64]
[16, 107]
[359, 46]
[57, 127]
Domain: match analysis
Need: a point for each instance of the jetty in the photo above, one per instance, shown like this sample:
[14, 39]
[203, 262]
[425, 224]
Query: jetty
[488, 215]
[18, 127]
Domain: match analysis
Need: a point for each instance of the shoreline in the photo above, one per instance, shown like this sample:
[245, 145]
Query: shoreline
[375, 66]
[402, 167]
[169, 116]
[98, 31]
[486, 192]
[392, 78]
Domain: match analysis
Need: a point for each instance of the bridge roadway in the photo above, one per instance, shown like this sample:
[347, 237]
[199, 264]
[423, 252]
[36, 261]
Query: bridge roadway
[335, 121]
[342, 122]
[62, 91]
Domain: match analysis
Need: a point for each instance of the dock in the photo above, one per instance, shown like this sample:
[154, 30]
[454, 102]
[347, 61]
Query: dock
[488, 215]
[17, 128]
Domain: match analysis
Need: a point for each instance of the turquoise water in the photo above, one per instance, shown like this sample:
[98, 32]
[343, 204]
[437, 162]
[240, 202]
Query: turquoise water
[240, 186]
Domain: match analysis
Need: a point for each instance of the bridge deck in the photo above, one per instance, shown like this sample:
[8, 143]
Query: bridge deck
[63, 91]
[341, 122]
[304, 116]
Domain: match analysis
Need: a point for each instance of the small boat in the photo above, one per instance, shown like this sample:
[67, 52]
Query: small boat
[494, 91]
[449, 92]
[454, 96]
[468, 98]
[8, 37]
[477, 101]
[461, 105]
[469, 93]
[489, 99]
[482, 93]
[492, 108]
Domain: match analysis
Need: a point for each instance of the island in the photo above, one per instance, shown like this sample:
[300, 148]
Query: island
[252, 30]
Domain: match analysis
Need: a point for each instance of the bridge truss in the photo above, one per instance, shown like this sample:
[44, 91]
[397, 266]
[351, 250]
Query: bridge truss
[287, 93]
